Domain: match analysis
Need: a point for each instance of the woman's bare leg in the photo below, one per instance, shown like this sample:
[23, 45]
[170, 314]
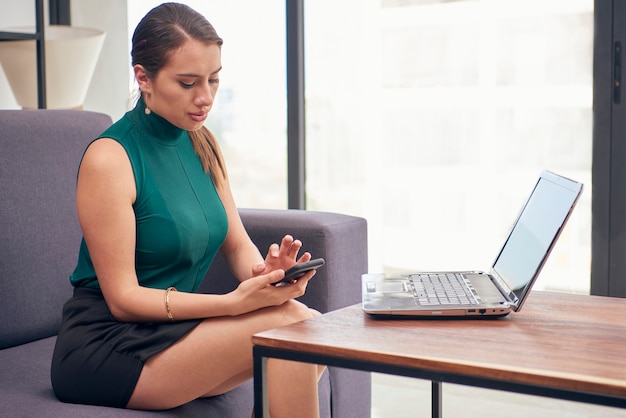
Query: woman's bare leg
[216, 356]
[283, 376]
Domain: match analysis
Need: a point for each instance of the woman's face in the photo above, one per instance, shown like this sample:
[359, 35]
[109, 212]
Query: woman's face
[183, 90]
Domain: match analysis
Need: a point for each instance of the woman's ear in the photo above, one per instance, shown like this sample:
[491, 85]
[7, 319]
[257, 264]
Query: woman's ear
[145, 85]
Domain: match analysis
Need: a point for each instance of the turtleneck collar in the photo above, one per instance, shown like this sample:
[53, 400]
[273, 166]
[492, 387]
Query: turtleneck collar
[156, 126]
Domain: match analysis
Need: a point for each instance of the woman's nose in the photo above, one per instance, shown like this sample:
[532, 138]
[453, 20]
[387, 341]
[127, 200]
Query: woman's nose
[205, 96]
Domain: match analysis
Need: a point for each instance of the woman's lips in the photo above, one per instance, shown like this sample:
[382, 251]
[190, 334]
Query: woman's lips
[198, 117]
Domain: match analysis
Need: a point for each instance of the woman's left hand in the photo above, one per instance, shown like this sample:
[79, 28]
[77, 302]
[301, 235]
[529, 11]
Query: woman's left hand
[281, 257]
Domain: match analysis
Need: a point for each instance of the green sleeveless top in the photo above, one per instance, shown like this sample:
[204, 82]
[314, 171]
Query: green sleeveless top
[180, 220]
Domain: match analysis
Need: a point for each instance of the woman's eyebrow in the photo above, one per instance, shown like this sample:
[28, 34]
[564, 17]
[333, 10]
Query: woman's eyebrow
[197, 75]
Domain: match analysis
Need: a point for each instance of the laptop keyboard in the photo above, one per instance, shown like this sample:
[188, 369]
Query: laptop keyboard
[441, 289]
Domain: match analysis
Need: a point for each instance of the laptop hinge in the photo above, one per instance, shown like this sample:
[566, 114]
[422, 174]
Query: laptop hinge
[506, 291]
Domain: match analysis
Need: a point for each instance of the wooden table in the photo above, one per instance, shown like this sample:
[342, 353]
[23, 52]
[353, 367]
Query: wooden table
[563, 346]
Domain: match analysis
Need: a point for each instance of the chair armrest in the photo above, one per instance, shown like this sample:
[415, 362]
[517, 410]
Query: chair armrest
[340, 239]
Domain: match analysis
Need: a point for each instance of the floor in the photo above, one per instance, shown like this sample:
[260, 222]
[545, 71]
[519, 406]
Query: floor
[400, 397]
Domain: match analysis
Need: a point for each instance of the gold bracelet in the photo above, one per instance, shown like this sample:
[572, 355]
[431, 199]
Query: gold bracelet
[167, 302]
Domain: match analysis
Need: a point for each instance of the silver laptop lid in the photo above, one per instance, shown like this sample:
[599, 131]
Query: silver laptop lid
[534, 234]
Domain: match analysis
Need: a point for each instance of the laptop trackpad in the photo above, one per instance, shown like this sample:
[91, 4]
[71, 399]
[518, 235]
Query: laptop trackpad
[487, 291]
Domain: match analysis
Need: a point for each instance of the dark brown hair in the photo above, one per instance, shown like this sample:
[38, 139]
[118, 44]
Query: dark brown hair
[162, 31]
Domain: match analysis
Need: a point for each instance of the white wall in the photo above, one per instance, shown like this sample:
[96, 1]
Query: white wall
[108, 92]
[13, 14]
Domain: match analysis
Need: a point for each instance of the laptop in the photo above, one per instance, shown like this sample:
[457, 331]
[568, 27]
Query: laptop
[475, 294]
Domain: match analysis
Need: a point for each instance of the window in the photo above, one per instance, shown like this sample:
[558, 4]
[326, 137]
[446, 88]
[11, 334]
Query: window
[433, 119]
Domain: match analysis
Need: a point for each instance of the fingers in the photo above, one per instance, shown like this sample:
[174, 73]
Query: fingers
[258, 269]
[290, 247]
[302, 281]
[275, 276]
[274, 250]
[297, 287]
[305, 257]
[265, 279]
[284, 255]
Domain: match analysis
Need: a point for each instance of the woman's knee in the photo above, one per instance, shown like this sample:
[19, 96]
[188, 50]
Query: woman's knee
[296, 311]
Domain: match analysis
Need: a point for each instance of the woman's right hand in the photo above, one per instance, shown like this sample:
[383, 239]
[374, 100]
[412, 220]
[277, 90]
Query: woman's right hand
[258, 292]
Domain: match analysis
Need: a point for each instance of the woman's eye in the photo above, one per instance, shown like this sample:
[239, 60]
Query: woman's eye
[186, 86]
[214, 81]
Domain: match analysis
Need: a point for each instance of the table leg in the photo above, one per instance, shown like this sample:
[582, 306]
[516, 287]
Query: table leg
[261, 406]
[436, 399]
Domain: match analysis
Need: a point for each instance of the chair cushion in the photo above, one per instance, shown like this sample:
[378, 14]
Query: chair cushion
[25, 391]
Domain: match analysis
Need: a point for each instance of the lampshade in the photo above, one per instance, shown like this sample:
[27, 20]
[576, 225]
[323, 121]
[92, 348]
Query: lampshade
[71, 57]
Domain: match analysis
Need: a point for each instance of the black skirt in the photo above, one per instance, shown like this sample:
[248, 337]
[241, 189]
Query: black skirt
[97, 360]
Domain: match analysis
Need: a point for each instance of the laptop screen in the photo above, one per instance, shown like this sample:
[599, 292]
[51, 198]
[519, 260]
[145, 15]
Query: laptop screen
[535, 232]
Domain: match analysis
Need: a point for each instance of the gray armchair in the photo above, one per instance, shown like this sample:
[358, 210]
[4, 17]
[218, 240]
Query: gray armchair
[39, 155]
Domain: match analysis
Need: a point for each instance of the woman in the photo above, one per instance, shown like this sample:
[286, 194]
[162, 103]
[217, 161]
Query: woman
[155, 205]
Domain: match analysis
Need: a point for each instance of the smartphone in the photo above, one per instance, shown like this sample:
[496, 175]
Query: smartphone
[300, 269]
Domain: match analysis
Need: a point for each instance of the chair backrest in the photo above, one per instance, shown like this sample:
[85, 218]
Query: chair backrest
[39, 232]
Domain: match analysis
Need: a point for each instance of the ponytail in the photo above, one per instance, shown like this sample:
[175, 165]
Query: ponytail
[207, 148]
